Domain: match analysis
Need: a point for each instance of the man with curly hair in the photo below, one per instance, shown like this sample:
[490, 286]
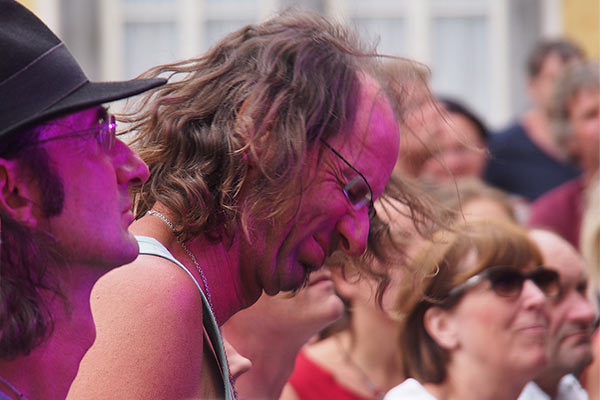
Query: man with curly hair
[265, 156]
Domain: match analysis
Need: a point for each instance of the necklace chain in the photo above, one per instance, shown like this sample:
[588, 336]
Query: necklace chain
[16, 391]
[378, 394]
[197, 265]
[188, 252]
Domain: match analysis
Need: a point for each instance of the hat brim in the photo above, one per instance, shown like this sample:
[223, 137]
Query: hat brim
[87, 95]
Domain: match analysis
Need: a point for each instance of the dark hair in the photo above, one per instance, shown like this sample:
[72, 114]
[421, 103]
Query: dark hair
[440, 266]
[455, 106]
[564, 48]
[26, 255]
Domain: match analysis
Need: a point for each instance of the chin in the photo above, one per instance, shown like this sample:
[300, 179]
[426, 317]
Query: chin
[129, 250]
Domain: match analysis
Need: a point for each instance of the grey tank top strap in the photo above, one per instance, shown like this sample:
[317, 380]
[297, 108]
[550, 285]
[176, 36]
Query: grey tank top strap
[151, 246]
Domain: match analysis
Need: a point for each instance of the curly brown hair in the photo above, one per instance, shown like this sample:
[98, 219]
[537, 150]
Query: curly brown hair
[259, 99]
[250, 110]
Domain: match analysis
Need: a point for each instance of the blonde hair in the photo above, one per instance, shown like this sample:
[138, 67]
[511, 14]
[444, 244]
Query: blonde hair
[590, 233]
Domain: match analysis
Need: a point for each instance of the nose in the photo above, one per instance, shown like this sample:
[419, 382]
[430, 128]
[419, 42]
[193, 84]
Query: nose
[353, 229]
[130, 168]
[582, 310]
[533, 297]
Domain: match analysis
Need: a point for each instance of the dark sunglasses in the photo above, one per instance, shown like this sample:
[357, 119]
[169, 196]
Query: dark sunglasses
[508, 281]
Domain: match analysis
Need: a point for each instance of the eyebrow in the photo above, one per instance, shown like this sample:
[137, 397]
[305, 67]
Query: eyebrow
[101, 113]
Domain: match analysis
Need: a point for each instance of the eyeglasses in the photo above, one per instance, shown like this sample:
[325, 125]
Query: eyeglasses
[105, 133]
[508, 281]
[357, 193]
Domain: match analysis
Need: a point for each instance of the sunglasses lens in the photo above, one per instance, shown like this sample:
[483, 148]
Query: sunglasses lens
[506, 282]
[548, 281]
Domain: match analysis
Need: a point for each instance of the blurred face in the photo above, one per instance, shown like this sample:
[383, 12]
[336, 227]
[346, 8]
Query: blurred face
[302, 314]
[482, 207]
[584, 117]
[541, 87]
[92, 228]
[572, 315]
[421, 124]
[457, 152]
[325, 219]
[507, 334]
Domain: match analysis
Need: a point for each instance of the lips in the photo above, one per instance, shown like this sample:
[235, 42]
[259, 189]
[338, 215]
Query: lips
[584, 336]
[319, 276]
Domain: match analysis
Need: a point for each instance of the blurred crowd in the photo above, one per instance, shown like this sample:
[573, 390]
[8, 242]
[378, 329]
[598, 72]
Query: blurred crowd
[312, 222]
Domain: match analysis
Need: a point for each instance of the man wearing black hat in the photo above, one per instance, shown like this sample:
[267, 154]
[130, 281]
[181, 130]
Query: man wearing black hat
[64, 204]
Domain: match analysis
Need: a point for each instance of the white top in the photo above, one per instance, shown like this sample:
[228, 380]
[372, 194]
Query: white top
[410, 389]
[569, 388]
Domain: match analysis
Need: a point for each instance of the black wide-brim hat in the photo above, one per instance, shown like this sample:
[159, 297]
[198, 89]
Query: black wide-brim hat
[39, 78]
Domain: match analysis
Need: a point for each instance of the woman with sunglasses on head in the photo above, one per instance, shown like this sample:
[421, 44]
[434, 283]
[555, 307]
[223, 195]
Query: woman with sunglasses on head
[474, 316]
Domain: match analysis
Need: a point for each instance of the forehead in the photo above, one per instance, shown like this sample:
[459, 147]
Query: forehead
[372, 144]
[560, 256]
[584, 98]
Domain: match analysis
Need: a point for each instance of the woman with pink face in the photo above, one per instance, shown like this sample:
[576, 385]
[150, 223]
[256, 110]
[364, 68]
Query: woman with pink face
[474, 316]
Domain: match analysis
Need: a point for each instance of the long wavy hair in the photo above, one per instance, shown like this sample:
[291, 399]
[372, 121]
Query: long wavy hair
[253, 104]
[28, 257]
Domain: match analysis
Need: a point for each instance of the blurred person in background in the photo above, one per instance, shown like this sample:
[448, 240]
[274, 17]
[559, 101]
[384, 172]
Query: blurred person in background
[358, 360]
[265, 157]
[65, 206]
[590, 249]
[474, 314]
[271, 332]
[572, 318]
[524, 158]
[471, 198]
[575, 118]
[421, 118]
[460, 148]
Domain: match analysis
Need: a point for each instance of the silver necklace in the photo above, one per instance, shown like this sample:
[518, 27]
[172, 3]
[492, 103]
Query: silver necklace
[197, 265]
[375, 392]
[16, 391]
[188, 252]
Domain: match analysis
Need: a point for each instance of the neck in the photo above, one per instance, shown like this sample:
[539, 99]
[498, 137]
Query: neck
[467, 382]
[373, 346]
[549, 379]
[537, 127]
[48, 370]
[220, 266]
[218, 262]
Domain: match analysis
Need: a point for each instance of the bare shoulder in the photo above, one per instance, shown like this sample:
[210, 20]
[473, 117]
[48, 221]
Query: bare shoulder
[147, 278]
[149, 336]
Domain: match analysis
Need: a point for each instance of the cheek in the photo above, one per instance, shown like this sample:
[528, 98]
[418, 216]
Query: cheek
[484, 323]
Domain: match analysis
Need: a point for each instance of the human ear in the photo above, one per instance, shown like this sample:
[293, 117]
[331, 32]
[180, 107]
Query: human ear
[441, 326]
[17, 192]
